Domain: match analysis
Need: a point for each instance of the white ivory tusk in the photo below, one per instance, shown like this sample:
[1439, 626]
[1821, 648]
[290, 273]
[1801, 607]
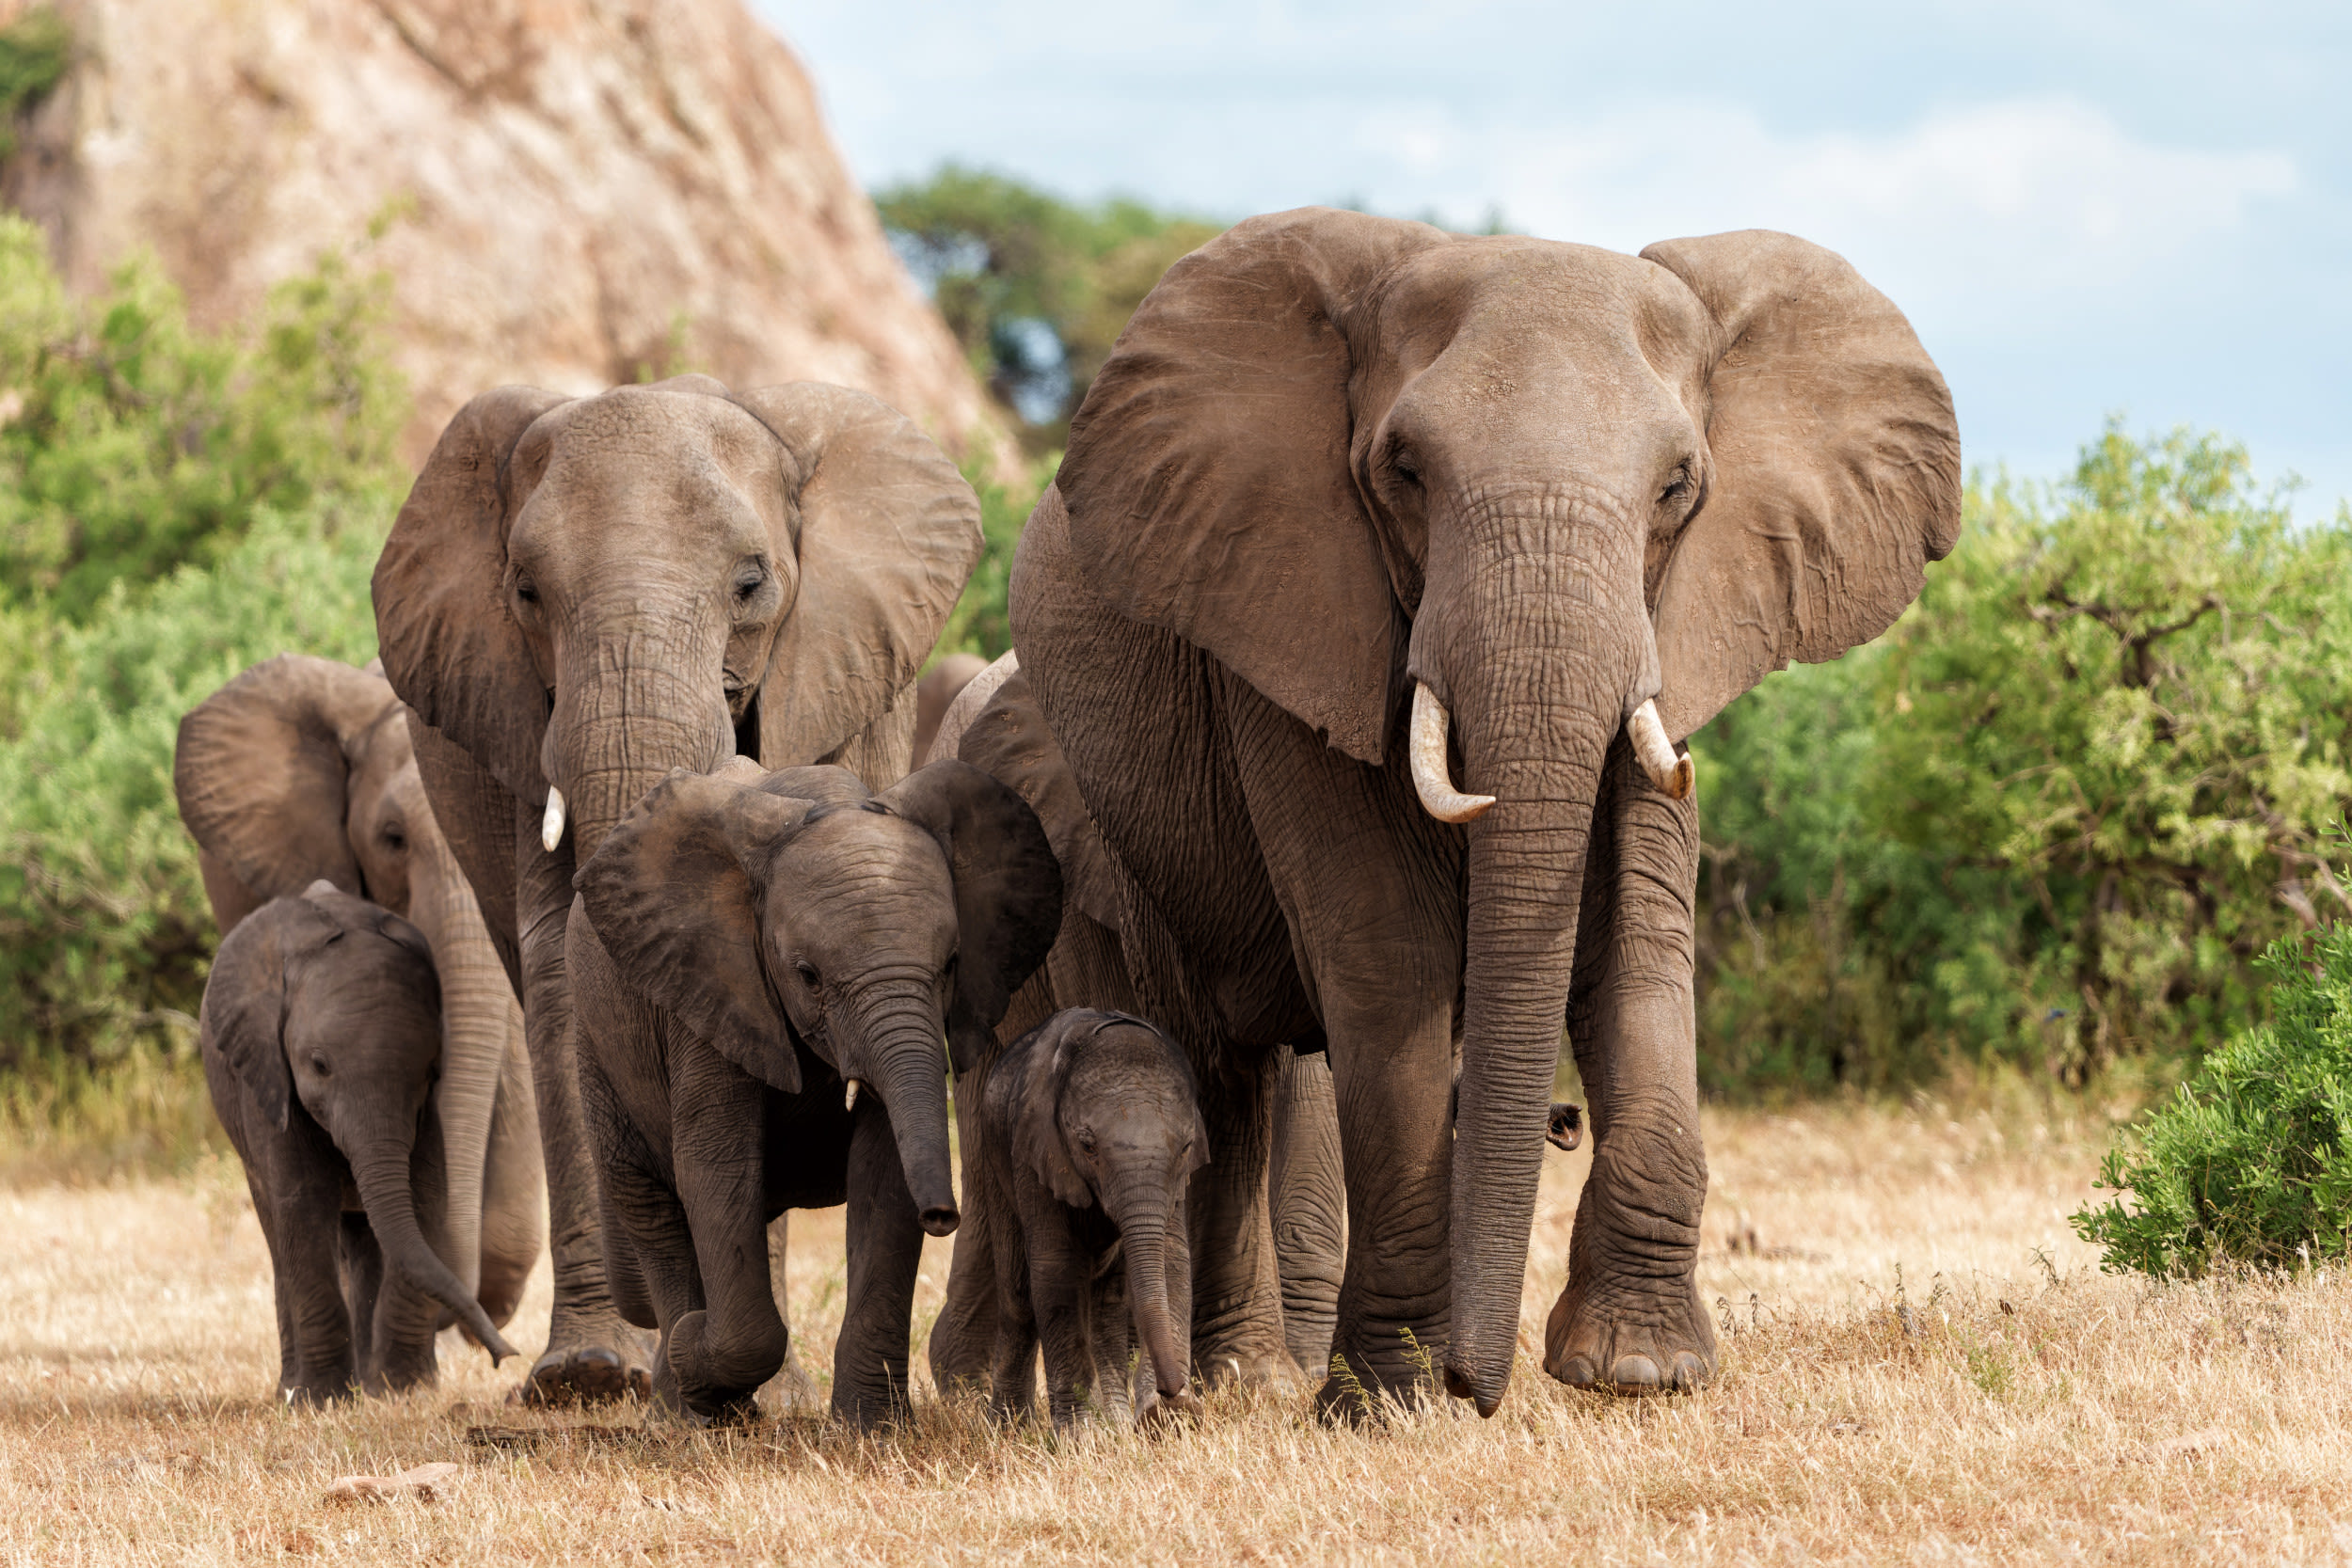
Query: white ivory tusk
[1431, 779]
[552, 827]
[848, 1102]
[1673, 775]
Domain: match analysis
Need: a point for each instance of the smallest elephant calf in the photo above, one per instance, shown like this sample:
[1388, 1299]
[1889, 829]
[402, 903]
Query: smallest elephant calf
[1088, 1134]
[321, 1033]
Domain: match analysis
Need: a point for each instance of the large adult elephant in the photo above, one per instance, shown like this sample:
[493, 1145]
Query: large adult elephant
[300, 770]
[583, 594]
[1560, 505]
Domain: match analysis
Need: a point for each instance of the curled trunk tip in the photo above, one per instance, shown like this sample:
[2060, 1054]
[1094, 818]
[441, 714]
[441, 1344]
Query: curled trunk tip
[1431, 779]
[1672, 774]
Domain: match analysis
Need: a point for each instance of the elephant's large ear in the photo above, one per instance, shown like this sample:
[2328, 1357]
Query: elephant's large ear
[450, 648]
[242, 1018]
[1037, 1140]
[673, 896]
[263, 766]
[1007, 739]
[1835, 472]
[1007, 892]
[886, 532]
[1208, 482]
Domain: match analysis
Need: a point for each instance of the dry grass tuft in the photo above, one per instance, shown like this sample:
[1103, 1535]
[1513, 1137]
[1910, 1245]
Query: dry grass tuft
[1919, 1364]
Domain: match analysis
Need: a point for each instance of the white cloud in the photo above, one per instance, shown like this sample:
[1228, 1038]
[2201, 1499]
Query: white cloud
[2017, 200]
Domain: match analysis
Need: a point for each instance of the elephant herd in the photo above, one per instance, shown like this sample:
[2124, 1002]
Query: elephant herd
[1334, 780]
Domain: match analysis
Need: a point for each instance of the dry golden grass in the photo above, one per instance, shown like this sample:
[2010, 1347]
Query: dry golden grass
[1995, 1401]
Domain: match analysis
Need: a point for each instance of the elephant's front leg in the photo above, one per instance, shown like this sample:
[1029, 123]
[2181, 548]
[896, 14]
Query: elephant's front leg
[1309, 1194]
[719, 1356]
[1630, 1318]
[591, 1353]
[886, 1247]
[1236, 1287]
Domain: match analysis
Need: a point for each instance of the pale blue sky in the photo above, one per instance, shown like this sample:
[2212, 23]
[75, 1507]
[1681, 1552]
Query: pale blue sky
[2084, 208]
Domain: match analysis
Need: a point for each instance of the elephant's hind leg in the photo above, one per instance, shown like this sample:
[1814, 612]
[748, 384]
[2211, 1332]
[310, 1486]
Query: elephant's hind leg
[1630, 1318]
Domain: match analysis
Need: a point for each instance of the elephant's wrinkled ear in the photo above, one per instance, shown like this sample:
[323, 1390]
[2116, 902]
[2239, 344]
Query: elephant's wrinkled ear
[670, 895]
[1007, 739]
[450, 647]
[1208, 482]
[242, 1018]
[263, 766]
[1007, 892]
[1037, 1140]
[1835, 472]
[887, 531]
[1199, 1145]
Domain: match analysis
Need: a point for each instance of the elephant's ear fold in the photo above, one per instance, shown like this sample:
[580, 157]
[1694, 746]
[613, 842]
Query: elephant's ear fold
[672, 893]
[1037, 1140]
[1835, 472]
[450, 647]
[1208, 482]
[885, 534]
[242, 1019]
[263, 764]
[1007, 892]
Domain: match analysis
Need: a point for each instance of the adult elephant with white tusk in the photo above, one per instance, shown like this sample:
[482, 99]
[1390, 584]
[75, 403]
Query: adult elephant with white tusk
[580, 596]
[1385, 574]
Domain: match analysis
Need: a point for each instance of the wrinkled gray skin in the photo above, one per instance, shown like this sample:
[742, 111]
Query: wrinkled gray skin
[585, 593]
[320, 1033]
[783, 934]
[1083, 1145]
[938, 689]
[992, 723]
[300, 770]
[1335, 458]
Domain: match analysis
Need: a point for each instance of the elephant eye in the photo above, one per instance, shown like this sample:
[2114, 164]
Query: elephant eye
[394, 838]
[1086, 1139]
[749, 582]
[1677, 487]
[318, 1064]
[807, 971]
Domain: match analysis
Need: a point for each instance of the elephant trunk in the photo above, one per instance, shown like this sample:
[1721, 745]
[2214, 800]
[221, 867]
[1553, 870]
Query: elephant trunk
[896, 1047]
[381, 1168]
[629, 710]
[475, 1001]
[1145, 1234]
[1539, 679]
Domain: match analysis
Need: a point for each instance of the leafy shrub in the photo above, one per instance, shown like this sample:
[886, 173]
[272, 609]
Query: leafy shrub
[104, 932]
[130, 442]
[2251, 1161]
[2057, 813]
[35, 50]
[981, 622]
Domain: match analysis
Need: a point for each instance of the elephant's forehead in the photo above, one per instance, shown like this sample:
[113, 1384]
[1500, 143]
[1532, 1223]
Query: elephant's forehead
[1532, 296]
[651, 434]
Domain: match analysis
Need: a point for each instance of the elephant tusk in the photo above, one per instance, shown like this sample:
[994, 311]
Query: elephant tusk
[1673, 775]
[551, 828]
[1431, 779]
[848, 1100]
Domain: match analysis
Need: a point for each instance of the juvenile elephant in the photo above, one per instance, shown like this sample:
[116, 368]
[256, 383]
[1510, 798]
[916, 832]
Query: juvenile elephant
[1085, 1140]
[321, 1030]
[582, 594]
[798, 947]
[300, 770]
[1357, 509]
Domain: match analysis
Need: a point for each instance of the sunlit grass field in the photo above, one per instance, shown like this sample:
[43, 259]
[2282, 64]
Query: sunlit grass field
[1921, 1364]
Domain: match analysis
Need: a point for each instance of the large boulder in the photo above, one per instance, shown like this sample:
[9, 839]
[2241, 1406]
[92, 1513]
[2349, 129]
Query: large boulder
[572, 193]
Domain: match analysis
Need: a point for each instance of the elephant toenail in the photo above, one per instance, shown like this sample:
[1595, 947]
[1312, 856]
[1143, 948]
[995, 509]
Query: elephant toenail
[1577, 1372]
[1635, 1374]
[1690, 1371]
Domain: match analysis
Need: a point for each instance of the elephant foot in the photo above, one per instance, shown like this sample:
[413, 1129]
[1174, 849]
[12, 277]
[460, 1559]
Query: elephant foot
[1636, 1347]
[601, 1364]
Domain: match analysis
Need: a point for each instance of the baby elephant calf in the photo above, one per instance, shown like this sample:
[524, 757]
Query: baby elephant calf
[321, 1032]
[1088, 1132]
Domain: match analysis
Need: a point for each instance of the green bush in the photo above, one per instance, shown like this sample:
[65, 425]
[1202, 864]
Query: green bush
[981, 622]
[104, 932]
[130, 442]
[35, 50]
[2055, 815]
[2251, 1161]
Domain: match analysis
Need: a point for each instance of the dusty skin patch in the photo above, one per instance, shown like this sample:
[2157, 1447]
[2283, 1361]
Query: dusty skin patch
[1997, 1401]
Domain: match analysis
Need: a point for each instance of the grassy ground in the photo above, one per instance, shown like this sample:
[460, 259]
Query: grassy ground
[1921, 1364]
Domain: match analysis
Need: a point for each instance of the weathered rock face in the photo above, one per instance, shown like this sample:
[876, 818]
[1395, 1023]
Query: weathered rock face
[579, 191]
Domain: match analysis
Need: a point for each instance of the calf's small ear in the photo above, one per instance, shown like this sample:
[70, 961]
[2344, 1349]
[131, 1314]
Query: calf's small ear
[242, 1019]
[1200, 1155]
[1037, 1140]
[671, 892]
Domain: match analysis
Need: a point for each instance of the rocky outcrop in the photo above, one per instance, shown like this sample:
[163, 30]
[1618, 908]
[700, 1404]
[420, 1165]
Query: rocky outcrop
[571, 193]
